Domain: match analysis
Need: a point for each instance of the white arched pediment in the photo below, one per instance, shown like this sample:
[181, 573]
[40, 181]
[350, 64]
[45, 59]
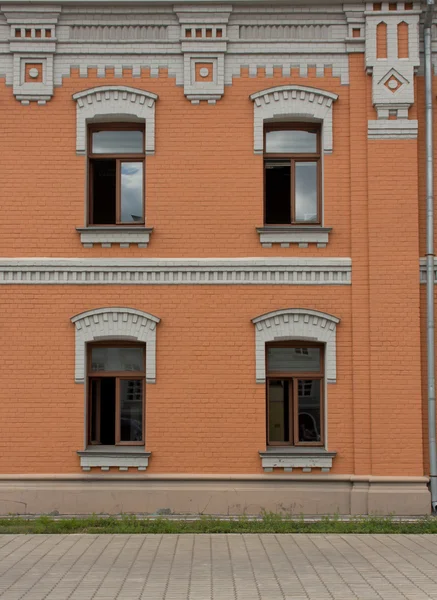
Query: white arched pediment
[293, 102]
[116, 102]
[115, 324]
[296, 324]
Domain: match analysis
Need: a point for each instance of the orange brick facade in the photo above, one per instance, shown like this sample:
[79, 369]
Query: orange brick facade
[205, 416]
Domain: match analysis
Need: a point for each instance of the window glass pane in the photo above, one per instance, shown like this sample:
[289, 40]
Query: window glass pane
[132, 192]
[293, 360]
[289, 140]
[309, 410]
[131, 410]
[103, 173]
[279, 427]
[306, 191]
[107, 411]
[278, 200]
[95, 411]
[117, 142]
[117, 359]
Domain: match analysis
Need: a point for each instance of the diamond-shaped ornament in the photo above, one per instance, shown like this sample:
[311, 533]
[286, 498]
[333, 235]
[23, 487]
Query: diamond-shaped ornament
[393, 84]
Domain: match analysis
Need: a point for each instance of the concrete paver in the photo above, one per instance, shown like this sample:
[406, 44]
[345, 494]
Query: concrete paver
[218, 567]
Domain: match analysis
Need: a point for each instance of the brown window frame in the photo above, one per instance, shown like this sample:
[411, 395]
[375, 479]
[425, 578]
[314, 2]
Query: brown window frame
[294, 158]
[118, 375]
[293, 394]
[119, 158]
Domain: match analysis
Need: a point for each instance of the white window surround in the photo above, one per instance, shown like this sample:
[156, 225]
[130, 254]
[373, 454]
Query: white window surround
[296, 324]
[121, 457]
[298, 457]
[106, 236]
[293, 103]
[115, 324]
[116, 102]
[293, 234]
[109, 104]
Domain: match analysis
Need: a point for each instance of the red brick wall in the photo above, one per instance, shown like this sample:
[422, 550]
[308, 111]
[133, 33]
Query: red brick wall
[204, 195]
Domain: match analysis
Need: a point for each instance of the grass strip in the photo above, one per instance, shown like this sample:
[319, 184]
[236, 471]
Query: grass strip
[268, 523]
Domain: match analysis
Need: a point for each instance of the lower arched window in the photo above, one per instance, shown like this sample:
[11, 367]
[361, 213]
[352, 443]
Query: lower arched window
[294, 388]
[116, 394]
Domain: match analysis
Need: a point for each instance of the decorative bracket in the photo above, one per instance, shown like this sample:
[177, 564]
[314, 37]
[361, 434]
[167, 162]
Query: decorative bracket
[203, 44]
[33, 43]
[392, 56]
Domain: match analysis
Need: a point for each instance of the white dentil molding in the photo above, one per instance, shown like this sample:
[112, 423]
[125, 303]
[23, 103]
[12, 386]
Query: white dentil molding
[179, 271]
[138, 36]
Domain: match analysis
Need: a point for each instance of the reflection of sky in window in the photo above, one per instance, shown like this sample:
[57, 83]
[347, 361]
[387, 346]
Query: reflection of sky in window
[117, 359]
[131, 192]
[287, 141]
[117, 142]
[289, 360]
[306, 191]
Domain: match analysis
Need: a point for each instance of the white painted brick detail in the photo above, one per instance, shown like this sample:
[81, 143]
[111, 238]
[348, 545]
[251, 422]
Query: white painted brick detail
[294, 235]
[294, 102]
[392, 101]
[114, 101]
[176, 271]
[106, 236]
[105, 461]
[139, 36]
[115, 323]
[401, 129]
[289, 459]
[296, 323]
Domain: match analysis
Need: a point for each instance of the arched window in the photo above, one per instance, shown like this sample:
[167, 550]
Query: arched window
[293, 130]
[295, 357]
[116, 357]
[119, 124]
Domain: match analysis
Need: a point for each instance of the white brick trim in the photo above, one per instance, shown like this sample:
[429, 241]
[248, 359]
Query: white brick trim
[117, 102]
[399, 129]
[115, 323]
[121, 457]
[299, 324]
[288, 459]
[295, 102]
[106, 236]
[292, 234]
[176, 271]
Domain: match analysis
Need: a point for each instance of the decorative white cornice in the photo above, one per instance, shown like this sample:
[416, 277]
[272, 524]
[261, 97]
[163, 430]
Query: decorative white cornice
[115, 323]
[181, 271]
[117, 102]
[293, 102]
[296, 324]
[153, 36]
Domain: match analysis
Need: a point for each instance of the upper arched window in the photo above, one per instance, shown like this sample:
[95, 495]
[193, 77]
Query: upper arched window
[115, 127]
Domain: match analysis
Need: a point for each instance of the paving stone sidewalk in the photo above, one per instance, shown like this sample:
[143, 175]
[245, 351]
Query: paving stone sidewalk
[218, 567]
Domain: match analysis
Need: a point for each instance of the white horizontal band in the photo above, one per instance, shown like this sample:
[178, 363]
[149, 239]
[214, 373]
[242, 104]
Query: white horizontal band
[212, 271]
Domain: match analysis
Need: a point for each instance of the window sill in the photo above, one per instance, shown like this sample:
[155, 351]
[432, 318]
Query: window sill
[106, 236]
[305, 458]
[121, 457]
[293, 234]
